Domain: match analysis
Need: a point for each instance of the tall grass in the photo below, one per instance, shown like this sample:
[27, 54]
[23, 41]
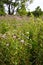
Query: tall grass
[21, 41]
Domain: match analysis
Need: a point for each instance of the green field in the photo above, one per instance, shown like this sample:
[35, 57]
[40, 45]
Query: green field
[21, 40]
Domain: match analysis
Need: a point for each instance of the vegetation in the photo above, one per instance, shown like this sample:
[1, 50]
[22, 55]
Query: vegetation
[38, 12]
[11, 5]
[22, 10]
[20, 4]
[21, 37]
[1, 8]
[21, 41]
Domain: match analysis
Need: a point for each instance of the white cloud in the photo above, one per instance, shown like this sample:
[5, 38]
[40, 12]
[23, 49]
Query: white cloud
[35, 4]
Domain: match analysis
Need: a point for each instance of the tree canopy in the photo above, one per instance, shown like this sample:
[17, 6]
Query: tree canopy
[12, 4]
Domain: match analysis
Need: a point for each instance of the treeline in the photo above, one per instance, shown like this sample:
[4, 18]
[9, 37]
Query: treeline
[21, 9]
[20, 4]
[38, 12]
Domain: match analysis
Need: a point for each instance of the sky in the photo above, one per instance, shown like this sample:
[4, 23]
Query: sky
[35, 4]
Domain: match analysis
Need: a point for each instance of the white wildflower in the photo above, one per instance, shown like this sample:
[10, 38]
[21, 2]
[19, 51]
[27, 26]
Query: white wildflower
[7, 44]
[14, 36]
[4, 36]
[27, 37]
[22, 41]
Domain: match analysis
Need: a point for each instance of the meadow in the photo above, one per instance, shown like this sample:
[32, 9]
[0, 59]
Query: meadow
[21, 40]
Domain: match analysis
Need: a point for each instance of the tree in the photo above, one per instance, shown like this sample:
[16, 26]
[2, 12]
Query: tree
[21, 8]
[8, 3]
[12, 5]
[37, 11]
[1, 8]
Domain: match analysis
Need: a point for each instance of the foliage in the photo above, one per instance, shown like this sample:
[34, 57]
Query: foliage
[29, 13]
[1, 8]
[21, 41]
[12, 5]
[22, 10]
[37, 12]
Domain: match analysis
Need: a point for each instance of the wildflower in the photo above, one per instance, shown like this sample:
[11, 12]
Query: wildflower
[27, 37]
[7, 44]
[14, 36]
[22, 41]
[4, 36]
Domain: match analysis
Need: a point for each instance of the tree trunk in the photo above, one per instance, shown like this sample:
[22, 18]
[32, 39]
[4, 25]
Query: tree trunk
[9, 10]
